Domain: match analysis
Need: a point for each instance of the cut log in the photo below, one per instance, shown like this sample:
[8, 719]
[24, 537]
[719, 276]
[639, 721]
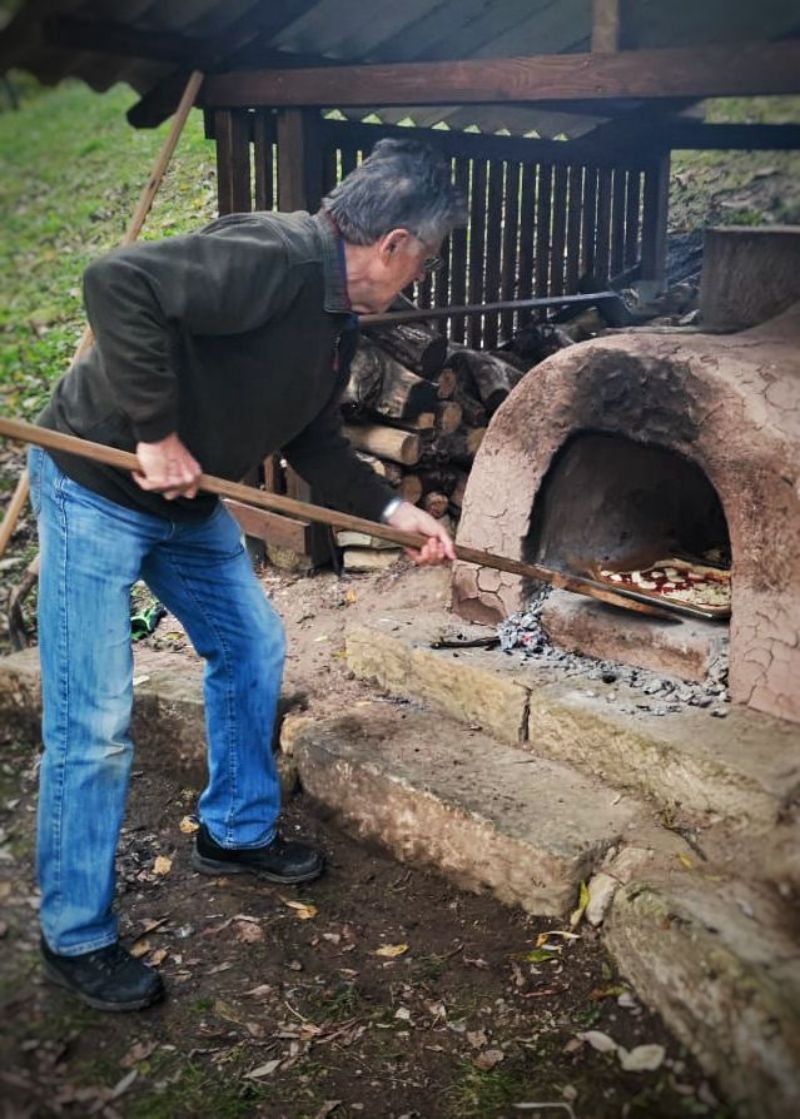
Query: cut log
[447, 383]
[473, 413]
[458, 447]
[448, 416]
[435, 503]
[348, 539]
[410, 488]
[367, 559]
[492, 377]
[380, 384]
[388, 470]
[417, 345]
[425, 421]
[386, 442]
[443, 478]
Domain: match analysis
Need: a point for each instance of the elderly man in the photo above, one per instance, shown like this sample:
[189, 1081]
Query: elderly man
[212, 350]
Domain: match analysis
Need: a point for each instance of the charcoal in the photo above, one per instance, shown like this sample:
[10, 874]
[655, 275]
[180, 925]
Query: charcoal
[523, 635]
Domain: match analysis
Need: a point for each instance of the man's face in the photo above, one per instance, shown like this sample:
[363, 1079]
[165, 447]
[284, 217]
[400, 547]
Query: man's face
[391, 264]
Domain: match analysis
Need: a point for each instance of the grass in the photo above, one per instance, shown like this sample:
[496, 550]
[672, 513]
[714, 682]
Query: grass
[71, 172]
[705, 186]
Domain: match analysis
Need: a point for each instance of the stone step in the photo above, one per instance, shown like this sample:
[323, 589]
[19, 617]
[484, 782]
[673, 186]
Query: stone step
[715, 960]
[744, 769]
[434, 792]
[167, 702]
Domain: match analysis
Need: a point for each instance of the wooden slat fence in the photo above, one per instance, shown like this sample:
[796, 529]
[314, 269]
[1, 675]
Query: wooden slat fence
[542, 214]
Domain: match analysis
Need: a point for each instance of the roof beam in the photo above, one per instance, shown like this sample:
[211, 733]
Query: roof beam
[742, 70]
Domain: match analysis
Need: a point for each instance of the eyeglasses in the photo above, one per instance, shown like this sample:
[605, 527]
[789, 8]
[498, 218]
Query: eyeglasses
[432, 264]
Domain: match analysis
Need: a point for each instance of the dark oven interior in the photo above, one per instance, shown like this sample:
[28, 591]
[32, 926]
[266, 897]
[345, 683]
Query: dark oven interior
[609, 499]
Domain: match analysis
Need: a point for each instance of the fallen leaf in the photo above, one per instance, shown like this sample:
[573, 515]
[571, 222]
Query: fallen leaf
[538, 956]
[391, 951]
[477, 962]
[403, 1013]
[598, 1040]
[155, 959]
[150, 923]
[327, 1108]
[263, 1070]
[583, 900]
[162, 865]
[138, 1052]
[477, 1038]
[259, 992]
[123, 1084]
[304, 912]
[249, 933]
[189, 825]
[685, 860]
[220, 967]
[141, 948]
[644, 1058]
[606, 992]
[488, 1059]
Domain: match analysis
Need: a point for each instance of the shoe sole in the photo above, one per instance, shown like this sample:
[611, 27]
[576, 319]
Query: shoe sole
[100, 1004]
[218, 866]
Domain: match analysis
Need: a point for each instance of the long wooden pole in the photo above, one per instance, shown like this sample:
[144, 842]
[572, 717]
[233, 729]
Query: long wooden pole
[468, 309]
[125, 460]
[20, 495]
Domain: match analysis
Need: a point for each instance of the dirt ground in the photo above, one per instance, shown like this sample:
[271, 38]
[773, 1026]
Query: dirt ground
[380, 991]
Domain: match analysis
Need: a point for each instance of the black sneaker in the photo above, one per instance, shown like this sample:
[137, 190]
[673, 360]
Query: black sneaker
[283, 860]
[107, 979]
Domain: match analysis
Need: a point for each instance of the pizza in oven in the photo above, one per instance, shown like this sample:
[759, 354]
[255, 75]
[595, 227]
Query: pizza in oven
[676, 580]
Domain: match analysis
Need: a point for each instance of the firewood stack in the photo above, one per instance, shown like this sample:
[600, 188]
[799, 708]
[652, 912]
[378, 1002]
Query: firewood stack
[416, 410]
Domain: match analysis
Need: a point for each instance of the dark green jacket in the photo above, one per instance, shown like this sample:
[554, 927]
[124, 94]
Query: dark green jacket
[238, 338]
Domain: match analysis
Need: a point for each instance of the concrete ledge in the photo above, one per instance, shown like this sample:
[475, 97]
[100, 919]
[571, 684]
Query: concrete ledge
[727, 983]
[486, 815]
[744, 768]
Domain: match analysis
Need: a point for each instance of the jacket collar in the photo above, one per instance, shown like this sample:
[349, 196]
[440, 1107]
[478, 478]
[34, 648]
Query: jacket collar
[334, 269]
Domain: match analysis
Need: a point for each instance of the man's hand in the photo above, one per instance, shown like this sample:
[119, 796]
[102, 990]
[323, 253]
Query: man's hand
[439, 546]
[167, 468]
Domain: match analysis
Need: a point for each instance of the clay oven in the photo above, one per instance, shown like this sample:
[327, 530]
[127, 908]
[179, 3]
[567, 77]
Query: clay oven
[655, 441]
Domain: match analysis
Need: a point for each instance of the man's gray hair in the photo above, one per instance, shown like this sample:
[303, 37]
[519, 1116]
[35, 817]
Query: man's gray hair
[402, 184]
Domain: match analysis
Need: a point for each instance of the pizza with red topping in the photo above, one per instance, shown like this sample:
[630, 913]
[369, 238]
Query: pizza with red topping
[676, 580]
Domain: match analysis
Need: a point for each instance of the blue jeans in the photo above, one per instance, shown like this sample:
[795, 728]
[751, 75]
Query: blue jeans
[92, 551]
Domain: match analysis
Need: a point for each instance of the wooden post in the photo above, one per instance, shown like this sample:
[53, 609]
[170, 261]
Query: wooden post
[232, 134]
[605, 26]
[654, 221]
[299, 160]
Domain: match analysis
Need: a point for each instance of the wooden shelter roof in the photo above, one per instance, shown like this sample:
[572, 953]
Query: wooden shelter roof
[152, 43]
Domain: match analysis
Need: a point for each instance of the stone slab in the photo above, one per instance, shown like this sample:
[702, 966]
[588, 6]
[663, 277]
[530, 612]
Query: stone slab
[716, 963]
[744, 768]
[168, 714]
[683, 648]
[487, 815]
[395, 653]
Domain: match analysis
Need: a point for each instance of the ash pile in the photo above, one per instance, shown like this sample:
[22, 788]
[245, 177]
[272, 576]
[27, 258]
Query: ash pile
[523, 636]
